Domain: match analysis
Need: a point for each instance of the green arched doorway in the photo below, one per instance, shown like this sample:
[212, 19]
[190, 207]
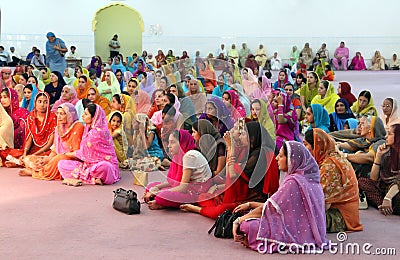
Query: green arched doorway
[117, 18]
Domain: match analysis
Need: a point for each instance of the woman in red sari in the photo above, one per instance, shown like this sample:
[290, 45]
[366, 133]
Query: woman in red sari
[39, 134]
[250, 174]
[10, 102]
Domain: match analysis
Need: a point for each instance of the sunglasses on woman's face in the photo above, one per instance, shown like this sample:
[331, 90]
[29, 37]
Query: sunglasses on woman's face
[287, 89]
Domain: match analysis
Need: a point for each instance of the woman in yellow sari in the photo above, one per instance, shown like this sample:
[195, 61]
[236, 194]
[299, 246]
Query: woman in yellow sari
[79, 71]
[38, 74]
[326, 96]
[45, 75]
[259, 113]
[115, 125]
[364, 106]
[338, 181]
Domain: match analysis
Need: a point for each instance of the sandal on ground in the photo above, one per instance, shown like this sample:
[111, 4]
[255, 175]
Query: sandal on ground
[72, 182]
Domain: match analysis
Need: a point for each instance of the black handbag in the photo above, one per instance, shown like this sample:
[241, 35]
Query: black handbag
[223, 224]
[126, 201]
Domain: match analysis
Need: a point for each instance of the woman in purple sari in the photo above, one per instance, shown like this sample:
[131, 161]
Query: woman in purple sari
[95, 162]
[294, 215]
[218, 114]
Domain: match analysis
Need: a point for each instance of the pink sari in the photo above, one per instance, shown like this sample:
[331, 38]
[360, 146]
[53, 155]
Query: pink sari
[97, 158]
[237, 108]
[295, 214]
[264, 92]
[250, 84]
[19, 116]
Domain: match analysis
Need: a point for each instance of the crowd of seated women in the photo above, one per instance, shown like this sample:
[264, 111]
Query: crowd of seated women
[225, 138]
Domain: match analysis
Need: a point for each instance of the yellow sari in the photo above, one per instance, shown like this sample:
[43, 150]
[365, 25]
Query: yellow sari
[329, 101]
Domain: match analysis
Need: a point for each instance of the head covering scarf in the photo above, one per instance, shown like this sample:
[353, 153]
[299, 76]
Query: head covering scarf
[261, 156]
[6, 130]
[98, 68]
[83, 93]
[157, 119]
[340, 119]
[149, 86]
[306, 208]
[14, 110]
[328, 101]
[223, 115]
[357, 110]
[101, 101]
[237, 108]
[5, 83]
[30, 105]
[46, 81]
[187, 143]
[243, 97]
[264, 118]
[55, 92]
[143, 102]
[352, 122]
[69, 80]
[73, 99]
[38, 74]
[63, 131]
[217, 90]
[280, 84]
[115, 87]
[41, 134]
[394, 116]
[250, 84]
[210, 138]
[321, 117]
[378, 133]
[265, 90]
[119, 130]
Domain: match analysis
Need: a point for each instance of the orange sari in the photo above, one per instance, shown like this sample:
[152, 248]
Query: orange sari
[72, 140]
[338, 179]
[103, 102]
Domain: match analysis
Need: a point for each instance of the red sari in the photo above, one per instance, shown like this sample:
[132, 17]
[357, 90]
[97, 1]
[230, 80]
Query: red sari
[39, 131]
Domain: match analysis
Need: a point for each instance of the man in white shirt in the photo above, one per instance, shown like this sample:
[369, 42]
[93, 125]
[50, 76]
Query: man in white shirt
[276, 62]
[221, 53]
[4, 57]
[72, 54]
[15, 57]
[38, 59]
[114, 46]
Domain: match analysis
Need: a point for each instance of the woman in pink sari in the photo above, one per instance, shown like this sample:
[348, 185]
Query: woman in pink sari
[249, 81]
[95, 162]
[357, 63]
[5, 77]
[68, 95]
[232, 102]
[294, 215]
[264, 91]
[10, 102]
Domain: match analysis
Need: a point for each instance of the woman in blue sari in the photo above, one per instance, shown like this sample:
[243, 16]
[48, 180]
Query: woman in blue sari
[30, 91]
[317, 117]
[340, 116]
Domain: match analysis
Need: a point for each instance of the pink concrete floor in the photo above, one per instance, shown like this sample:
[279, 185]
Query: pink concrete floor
[47, 220]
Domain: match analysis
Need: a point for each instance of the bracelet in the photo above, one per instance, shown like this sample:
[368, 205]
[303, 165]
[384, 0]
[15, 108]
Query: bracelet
[386, 198]
[377, 164]
[345, 155]
[281, 105]
[237, 220]
[248, 205]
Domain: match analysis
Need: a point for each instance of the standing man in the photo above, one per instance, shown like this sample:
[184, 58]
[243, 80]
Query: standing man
[55, 52]
[114, 46]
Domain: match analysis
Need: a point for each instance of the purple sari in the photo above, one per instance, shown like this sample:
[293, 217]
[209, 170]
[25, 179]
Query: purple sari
[224, 116]
[295, 214]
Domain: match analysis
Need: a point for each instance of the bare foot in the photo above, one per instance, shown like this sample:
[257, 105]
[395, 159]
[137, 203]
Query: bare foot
[72, 182]
[190, 208]
[154, 206]
[98, 182]
[166, 162]
[245, 241]
[11, 165]
[25, 172]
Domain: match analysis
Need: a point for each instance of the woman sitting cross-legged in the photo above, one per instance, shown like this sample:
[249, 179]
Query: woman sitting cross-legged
[188, 176]
[95, 162]
[251, 172]
[338, 180]
[39, 136]
[67, 138]
[295, 214]
[382, 188]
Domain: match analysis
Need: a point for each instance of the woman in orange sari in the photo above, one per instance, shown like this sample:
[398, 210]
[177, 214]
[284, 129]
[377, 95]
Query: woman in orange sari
[338, 181]
[83, 87]
[39, 133]
[67, 138]
[103, 102]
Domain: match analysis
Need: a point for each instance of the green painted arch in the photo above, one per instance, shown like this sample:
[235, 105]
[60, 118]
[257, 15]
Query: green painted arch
[117, 18]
